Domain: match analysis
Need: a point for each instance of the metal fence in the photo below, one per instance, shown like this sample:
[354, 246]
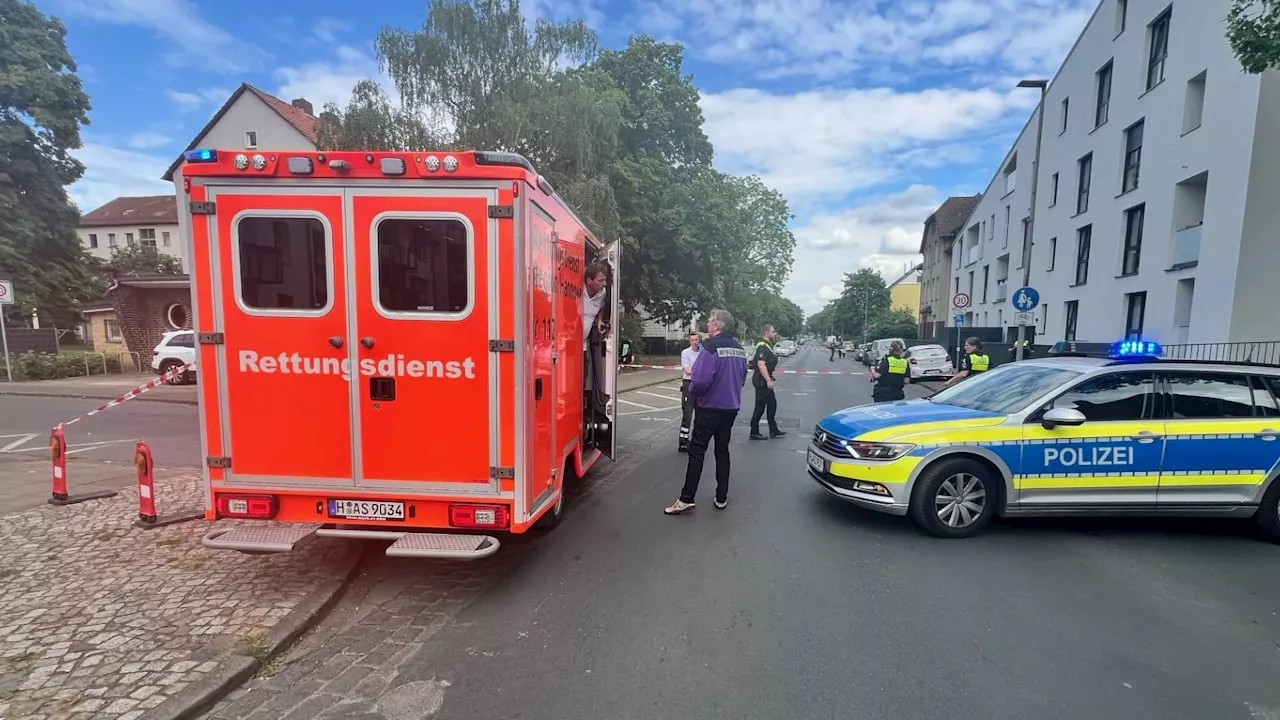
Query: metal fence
[1265, 352]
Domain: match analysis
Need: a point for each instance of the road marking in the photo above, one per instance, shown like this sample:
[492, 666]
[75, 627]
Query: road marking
[636, 404]
[650, 410]
[17, 443]
[650, 394]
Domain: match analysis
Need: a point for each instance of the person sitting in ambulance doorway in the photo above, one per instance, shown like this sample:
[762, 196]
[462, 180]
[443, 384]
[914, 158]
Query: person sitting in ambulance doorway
[595, 292]
[594, 283]
[972, 362]
[891, 375]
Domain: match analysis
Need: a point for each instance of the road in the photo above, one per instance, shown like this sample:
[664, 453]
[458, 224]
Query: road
[792, 604]
[173, 431]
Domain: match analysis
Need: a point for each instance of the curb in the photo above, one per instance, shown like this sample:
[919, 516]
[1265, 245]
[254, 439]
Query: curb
[81, 396]
[236, 669]
[648, 383]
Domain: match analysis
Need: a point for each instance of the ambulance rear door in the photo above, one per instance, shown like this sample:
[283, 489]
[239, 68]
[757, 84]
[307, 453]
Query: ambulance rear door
[613, 255]
[424, 335]
[278, 279]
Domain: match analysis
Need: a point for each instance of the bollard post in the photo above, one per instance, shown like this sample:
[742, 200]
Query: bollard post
[147, 516]
[58, 453]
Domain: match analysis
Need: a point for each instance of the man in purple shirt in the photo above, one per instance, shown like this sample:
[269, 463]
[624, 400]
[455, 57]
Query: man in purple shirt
[715, 387]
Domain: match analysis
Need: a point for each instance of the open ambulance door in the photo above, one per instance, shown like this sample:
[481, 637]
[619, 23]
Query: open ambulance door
[612, 351]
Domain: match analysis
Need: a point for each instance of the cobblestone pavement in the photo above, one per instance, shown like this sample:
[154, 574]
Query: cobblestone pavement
[350, 666]
[102, 620]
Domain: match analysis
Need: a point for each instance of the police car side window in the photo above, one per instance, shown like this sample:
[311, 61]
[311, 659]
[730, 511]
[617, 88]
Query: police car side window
[1112, 397]
[1265, 390]
[1209, 396]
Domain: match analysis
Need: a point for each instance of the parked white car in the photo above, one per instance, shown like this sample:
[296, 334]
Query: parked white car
[785, 348]
[176, 348]
[929, 362]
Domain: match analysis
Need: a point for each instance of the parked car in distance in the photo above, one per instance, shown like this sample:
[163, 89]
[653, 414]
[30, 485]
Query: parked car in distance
[176, 348]
[929, 362]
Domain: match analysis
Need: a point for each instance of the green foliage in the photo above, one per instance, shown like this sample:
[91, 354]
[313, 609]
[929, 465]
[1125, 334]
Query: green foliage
[144, 259]
[897, 323]
[42, 106]
[48, 366]
[864, 303]
[1253, 30]
[618, 133]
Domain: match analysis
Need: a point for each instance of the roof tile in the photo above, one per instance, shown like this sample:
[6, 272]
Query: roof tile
[148, 210]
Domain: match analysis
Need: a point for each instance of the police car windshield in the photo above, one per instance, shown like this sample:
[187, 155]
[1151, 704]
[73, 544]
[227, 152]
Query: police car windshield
[1006, 389]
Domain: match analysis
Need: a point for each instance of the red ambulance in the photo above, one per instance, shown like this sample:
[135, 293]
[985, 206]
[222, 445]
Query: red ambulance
[391, 347]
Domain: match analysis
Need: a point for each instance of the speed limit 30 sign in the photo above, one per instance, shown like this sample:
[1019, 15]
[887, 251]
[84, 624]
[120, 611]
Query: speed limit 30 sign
[6, 293]
[960, 300]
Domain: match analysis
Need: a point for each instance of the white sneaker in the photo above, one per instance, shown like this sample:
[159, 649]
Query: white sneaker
[721, 504]
[678, 507]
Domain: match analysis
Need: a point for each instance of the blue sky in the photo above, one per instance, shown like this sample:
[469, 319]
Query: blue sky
[864, 113]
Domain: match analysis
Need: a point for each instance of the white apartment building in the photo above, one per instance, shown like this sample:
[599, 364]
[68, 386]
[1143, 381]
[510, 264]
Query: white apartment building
[133, 221]
[1158, 199]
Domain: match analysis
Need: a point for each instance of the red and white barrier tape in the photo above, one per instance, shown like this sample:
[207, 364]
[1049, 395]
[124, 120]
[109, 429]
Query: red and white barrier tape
[145, 387]
[776, 372]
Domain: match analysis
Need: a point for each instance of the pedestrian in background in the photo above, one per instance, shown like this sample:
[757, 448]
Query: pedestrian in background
[687, 358]
[1027, 351]
[715, 386]
[973, 362]
[891, 375]
[763, 365]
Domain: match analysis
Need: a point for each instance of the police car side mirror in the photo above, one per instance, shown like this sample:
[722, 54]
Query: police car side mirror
[1061, 416]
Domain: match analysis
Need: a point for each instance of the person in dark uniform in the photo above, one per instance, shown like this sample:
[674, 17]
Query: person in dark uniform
[763, 364]
[1027, 351]
[974, 361]
[891, 375]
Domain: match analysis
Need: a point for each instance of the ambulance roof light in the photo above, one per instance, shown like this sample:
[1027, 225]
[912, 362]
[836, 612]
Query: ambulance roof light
[201, 156]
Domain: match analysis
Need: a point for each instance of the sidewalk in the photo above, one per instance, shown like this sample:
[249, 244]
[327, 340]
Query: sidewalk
[100, 619]
[110, 387]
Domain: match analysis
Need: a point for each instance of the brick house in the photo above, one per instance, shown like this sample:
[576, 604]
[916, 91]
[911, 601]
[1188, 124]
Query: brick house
[145, 307]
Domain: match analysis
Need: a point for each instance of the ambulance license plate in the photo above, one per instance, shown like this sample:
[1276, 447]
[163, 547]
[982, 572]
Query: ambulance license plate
[816, 462]
[366, 510]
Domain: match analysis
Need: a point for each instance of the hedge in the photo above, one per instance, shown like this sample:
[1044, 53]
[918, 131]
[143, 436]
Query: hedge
[48, 366]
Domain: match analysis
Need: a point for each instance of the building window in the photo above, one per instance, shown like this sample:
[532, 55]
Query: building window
[1026, 241]
[424, 266]
[1102, 108]
[128, 239]
[176, 316]
[1085, 167]
[991, 228]
[93, 241]
[147, 236]
[1069, 328]
[986, 277]
[1011, 175]
[1066, 113]
[1053, 190]
[164, 238]
[1132, 155]
[111, 239]
[250, 140]
[1084, 238]
[1133, 218]
[112, 331]
[1158, 38]
[283, 263]
[1053, 254]
[1193, 106]
[1122, 9]
[1135, 310]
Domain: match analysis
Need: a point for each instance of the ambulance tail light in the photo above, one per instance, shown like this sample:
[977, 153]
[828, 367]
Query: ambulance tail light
[479, 516]
[250, 507]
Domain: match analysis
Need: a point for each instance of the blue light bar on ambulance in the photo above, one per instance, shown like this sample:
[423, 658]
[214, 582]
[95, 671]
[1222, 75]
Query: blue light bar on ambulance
[201, 156]
[1125, 349]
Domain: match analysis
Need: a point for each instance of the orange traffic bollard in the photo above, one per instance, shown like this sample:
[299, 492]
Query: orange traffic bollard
[147, 515]
[58, 453]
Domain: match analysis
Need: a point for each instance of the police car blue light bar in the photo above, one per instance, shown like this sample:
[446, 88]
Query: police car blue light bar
[1119, 350]
[201, 156]
[1136, 348]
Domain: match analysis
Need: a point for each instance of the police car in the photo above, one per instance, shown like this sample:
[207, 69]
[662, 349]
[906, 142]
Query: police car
[1091, 429]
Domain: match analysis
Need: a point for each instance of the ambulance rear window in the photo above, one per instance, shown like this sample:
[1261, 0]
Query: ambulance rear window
[283, 263]
[423, 266]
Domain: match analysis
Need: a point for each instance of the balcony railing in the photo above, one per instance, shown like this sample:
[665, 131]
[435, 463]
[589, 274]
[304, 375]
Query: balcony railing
[1002, 290]
[1186, 246]
[1265, 352]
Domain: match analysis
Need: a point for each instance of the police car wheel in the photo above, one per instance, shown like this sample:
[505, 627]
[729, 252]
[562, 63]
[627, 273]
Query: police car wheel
[954, 498]
[1268, 516]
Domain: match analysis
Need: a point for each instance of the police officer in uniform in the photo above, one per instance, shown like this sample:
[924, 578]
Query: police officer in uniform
[974, 361]
[1026, 350]
[891, 375]
[764, 363]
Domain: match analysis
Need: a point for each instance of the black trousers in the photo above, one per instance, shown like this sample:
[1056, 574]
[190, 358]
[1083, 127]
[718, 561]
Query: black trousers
[686, 414]
[888, 393]
[766, 406]
[709, 425]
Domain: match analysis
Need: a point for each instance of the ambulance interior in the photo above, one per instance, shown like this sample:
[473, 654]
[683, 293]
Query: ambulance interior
[600, 364]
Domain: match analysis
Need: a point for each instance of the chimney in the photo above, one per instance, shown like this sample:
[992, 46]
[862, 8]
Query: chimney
[304, 106]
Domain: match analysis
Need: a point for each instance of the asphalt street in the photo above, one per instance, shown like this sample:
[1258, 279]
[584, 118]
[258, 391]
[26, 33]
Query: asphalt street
[172, 430]
[793, 604]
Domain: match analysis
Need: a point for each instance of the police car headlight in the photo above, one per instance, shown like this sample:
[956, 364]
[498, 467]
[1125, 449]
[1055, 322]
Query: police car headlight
[878, 451]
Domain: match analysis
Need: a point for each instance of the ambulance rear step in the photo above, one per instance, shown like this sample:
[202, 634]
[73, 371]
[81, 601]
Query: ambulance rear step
[285, 538]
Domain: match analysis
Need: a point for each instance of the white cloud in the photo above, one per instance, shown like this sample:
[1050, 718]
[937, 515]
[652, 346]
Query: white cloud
[881, 233]
[148, 140]
[329, 81]
[194, 41]
[111, 172]
[192, 99]
[327, 29]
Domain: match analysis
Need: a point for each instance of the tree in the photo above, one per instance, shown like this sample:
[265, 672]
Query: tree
[42, 106]
[864, 298]
[144, 259]
[897, 323]
[371, 122]
[1253, 30]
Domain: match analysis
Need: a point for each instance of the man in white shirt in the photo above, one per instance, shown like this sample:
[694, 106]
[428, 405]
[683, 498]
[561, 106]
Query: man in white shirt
[687, 358]
[593, 292]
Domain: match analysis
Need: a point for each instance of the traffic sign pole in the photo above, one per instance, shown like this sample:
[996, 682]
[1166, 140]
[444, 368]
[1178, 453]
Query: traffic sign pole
[1025, 300]
[6, 298]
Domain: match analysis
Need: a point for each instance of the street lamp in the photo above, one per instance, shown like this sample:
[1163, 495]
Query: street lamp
[1042, 86]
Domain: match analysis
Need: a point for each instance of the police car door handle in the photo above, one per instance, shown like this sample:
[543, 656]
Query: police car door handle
[1267, 434]
[1146, 436]
[335, 341]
